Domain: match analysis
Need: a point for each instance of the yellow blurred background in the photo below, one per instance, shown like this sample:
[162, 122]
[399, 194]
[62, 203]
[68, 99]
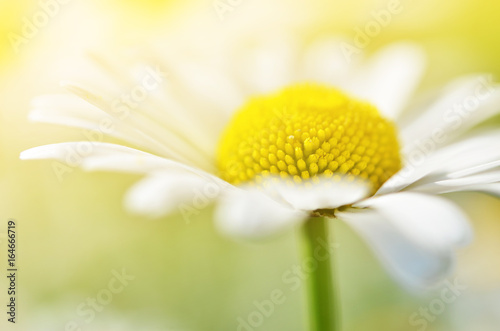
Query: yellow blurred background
[73, 235]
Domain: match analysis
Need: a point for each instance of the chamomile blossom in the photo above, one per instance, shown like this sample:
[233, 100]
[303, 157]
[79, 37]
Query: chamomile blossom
[276, 135]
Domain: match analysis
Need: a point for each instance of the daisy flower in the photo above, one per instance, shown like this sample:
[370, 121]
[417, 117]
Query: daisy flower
[278, 135]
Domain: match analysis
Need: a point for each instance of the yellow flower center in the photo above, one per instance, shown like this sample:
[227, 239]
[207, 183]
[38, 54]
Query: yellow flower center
[304, 131]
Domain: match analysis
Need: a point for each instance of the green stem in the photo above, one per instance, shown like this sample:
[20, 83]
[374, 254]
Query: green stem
[324, 308]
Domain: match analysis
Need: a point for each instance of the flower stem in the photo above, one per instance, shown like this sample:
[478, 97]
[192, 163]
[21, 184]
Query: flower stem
[324, 308]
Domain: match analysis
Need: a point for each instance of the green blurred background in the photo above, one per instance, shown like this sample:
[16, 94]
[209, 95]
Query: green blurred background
[73, 234]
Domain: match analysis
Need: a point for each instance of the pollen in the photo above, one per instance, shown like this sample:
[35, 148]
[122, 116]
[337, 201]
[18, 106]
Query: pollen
[305, 131]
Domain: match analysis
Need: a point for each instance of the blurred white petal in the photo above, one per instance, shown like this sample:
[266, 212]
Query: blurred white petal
[464, 103]
[472, 152]
[483, 178]
[412, 265]
[431, 220]
[391, 77]
[413, 234]
[251, 214]
[160, 138]
[168, 100]
[163, 193]
[70, 110]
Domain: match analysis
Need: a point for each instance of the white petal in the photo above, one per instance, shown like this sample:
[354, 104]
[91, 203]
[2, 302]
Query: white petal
[327, 193]
[493, 189]
[200, 98]
[160, 138]
[482, 178]
[411, 265]
[438, 163]
[163, 193]
[391, 77]
[252, 214]
[65, 104]
[475, 169]
[169, 103]
[413, 234]
[70, 110]
[480, 151]
[463, 104]
[431, 220]
[107, 157]
[489, 187]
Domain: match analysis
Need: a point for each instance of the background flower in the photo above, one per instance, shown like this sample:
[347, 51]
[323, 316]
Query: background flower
[187, 277]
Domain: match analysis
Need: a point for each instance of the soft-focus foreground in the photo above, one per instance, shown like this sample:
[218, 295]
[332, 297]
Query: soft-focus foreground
[84, 263]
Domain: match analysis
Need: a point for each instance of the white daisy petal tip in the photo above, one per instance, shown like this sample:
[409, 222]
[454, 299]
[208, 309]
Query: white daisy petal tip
[40, 152]
[250, 214]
